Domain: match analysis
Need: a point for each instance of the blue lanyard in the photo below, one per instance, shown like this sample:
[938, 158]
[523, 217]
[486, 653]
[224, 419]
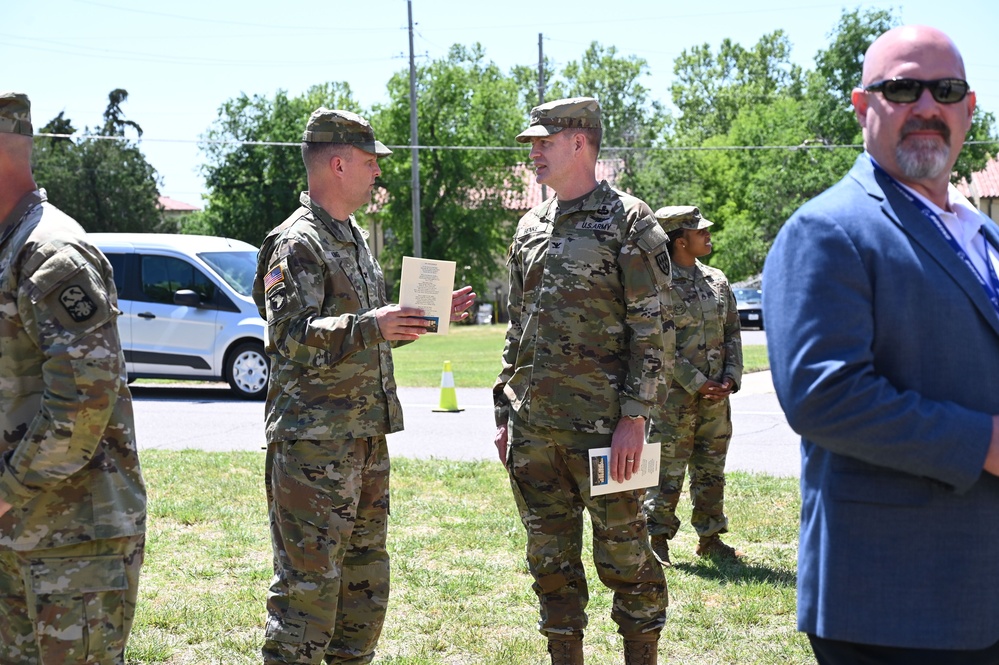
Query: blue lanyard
[990, 281]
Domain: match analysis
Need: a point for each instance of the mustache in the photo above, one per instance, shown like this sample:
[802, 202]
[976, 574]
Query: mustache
[921, 124]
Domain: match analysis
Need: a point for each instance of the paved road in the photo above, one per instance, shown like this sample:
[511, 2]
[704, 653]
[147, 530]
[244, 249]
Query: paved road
[208, 418]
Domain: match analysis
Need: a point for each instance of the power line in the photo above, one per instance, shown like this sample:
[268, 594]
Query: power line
[297, 144]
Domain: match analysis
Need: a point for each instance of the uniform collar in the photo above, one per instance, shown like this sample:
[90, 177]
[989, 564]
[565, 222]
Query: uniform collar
[341, 230]
[591, 202]
[686, 272]
[27, 202]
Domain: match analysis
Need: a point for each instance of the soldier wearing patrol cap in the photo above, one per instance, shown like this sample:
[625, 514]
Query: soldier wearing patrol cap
[694, 423]
[586, 351]
[72, 499]
[331, 400]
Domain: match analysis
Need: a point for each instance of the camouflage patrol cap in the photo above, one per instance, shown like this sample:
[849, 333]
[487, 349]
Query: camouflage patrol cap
[336, 126]
[672, 218]
[15, 113]
[552, 117]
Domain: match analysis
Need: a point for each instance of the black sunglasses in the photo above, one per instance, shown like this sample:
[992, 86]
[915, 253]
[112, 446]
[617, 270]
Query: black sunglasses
[906, 91]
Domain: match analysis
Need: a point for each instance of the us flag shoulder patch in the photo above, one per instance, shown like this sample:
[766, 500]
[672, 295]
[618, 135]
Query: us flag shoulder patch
[274, 277]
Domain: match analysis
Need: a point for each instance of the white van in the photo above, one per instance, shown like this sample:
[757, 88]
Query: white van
[187, 312]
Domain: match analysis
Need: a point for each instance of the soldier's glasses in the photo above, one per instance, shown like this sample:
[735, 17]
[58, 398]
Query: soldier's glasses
[906, 91]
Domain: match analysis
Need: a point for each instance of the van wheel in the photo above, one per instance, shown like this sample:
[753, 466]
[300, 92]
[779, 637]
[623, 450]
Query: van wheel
[247, 370]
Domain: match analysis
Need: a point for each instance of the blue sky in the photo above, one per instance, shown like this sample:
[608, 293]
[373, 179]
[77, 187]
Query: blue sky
[181, 60]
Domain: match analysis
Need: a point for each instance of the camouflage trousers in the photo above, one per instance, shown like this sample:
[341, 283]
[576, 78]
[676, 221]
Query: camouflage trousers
[69, 605]
[549, 474]
[328, 503]
[695, 433]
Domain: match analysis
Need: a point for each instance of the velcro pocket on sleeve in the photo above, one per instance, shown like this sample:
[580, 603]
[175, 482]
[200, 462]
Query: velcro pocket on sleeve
[652, 242]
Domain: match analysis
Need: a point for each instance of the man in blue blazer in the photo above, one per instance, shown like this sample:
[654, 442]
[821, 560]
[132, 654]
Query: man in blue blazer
[881, 298]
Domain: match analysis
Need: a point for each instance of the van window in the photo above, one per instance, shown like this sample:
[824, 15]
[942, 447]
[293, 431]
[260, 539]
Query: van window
[117, 262]
[164, 275]
[236, 268]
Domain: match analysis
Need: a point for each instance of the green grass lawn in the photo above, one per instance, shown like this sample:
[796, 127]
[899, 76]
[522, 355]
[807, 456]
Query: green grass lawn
[474, 352]
[461, 593]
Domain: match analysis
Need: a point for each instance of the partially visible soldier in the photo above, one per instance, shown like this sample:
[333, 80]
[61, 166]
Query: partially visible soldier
[694, 424]
[72, 499]
[331, 400]
[585, 354]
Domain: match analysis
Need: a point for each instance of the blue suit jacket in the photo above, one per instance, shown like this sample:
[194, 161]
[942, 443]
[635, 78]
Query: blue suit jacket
[885, 357]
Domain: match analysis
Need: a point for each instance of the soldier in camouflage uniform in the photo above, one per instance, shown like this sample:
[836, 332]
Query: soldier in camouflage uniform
[585, 354]
[331, 400]
[694, 424]
[72, 499]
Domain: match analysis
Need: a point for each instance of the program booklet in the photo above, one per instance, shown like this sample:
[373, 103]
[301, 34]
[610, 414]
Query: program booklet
[646, 475]
[428, 284]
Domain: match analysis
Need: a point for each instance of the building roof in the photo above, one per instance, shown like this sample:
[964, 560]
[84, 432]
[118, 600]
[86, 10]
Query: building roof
[173, 205]
[984, 184]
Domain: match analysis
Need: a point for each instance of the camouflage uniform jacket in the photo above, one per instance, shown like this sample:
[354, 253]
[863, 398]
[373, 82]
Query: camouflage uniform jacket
[68, 461]
[586, 341]
[708, 339]
[317, 286]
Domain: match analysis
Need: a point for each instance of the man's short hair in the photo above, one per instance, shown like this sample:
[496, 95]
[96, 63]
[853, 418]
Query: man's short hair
[317, 155]
[594, 135]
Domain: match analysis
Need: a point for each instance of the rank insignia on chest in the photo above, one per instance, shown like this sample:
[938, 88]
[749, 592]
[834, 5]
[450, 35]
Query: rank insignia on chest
[556, 245]
[78, 303]
[273, 278]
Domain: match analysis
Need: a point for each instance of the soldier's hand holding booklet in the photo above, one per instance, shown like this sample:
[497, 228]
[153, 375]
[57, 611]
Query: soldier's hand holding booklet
[646, 475]
[427, 284]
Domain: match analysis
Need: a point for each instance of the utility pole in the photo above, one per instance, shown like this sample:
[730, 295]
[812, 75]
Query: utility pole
[541, 92]
[414, 142]
[541, 70]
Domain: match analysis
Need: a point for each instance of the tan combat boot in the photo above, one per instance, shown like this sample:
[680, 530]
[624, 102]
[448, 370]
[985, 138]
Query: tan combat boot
[713, 547]
[566, 650]
[640, 653]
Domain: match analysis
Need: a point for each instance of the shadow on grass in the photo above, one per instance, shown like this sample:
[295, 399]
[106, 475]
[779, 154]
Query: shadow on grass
[739, 573]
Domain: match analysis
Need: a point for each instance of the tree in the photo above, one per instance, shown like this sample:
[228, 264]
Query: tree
[462, 100]
[751, 192]
[710, 90]
[253, 188]
[114, 116]
[838, 70]
[630, 117]
[105, 184]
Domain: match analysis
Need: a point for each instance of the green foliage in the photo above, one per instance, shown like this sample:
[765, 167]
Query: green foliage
[838, 70]
[711, 89]
[752, 192]
[253, 188]
[629, 116]
[106, 185]
[462, 100]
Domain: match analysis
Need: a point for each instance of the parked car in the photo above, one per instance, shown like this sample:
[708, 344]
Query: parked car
[187, 312]
[750, 305]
